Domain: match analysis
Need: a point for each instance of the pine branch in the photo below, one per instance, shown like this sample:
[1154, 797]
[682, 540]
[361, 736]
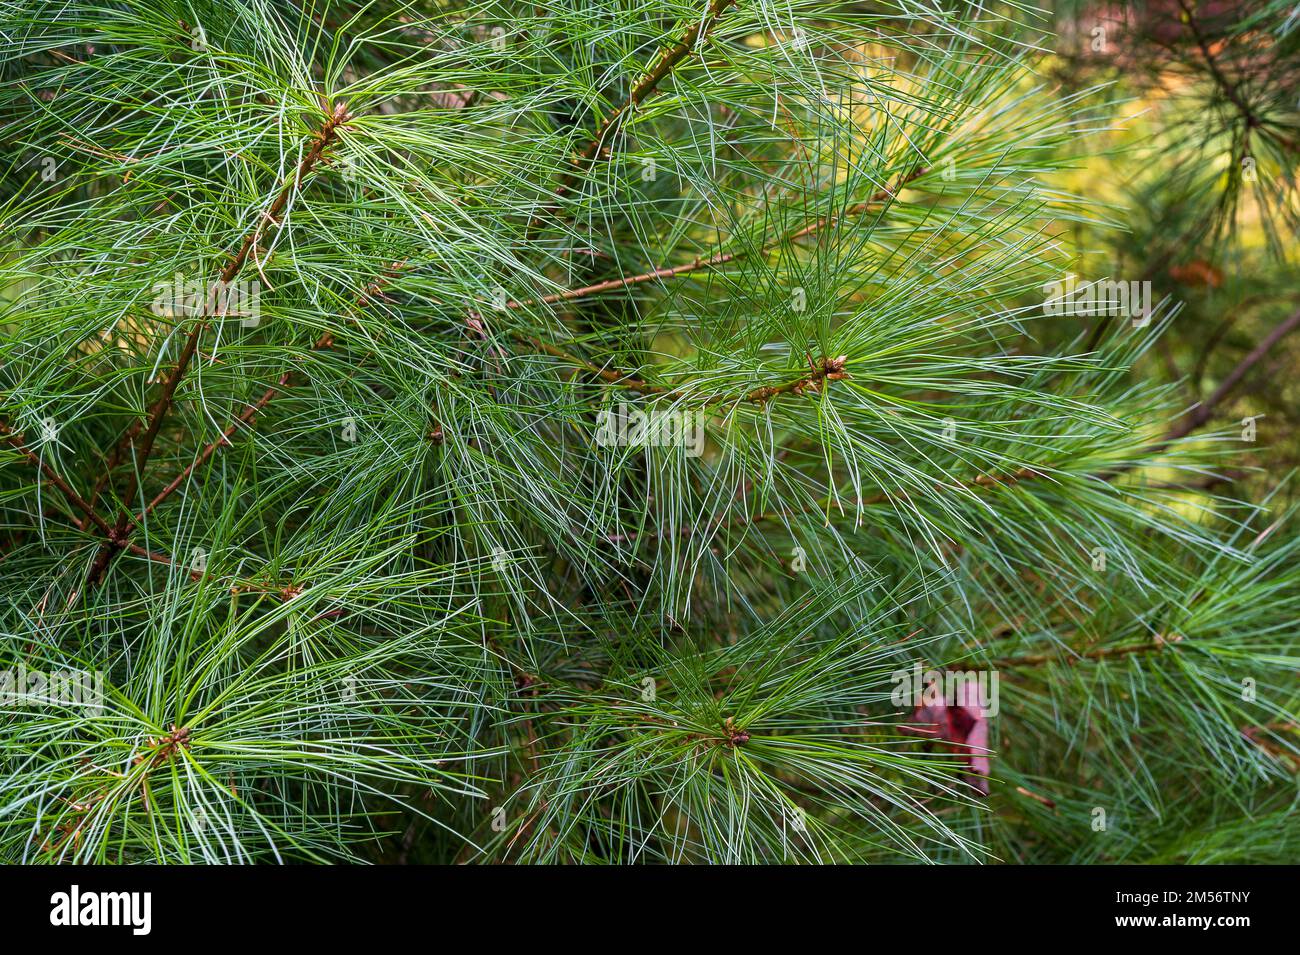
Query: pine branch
[1199, 417]
[722, 258]
[644, 88]
[118, 535]
[15, 440]
[325, 341]
[1159, 642]
[680, 701]
[759, 395]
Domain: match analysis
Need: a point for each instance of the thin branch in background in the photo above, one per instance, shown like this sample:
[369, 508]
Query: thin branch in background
[1159, 642]
[1230, 90]
[1202, 412]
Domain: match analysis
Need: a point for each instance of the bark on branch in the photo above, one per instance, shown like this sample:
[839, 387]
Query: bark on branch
[139, 446]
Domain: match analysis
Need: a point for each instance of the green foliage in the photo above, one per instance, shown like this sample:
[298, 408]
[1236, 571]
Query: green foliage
[367, 581]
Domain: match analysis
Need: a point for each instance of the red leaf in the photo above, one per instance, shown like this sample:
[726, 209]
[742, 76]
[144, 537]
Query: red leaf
[963, 727]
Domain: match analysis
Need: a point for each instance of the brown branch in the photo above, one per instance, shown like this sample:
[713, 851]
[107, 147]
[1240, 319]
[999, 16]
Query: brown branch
[643, 89]
[613, 376]
[1205, 409]
[326, 133]
[1196, 419]
[140, 454]
[15, 440]
[1036, 797]
[1099, 653]
[272, 216]
[155, 556]
[245, 418]
[722, 258]
[828, 369]
[627, 380]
